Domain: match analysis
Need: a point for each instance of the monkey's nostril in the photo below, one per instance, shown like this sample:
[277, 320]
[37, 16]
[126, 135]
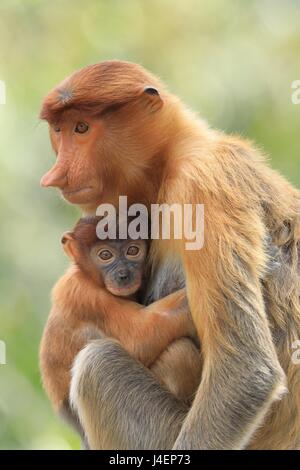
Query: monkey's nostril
[123, 275]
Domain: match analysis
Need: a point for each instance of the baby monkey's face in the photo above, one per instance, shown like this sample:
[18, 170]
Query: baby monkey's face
[120, 263]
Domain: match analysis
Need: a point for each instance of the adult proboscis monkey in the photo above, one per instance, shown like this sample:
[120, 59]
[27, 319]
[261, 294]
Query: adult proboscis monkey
[116, 130]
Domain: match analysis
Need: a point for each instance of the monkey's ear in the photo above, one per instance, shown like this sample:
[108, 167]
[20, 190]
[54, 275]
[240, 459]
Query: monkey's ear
[68, 241]
[153, 98]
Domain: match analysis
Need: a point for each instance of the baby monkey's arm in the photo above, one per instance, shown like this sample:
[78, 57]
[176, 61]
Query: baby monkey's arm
[147, 331]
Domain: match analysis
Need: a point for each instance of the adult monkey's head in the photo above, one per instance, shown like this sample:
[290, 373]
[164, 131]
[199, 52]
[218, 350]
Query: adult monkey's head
[109, 124]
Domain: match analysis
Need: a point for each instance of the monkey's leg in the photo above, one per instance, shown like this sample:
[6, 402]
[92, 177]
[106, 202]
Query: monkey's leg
[70, 417]
[179, 369]
[119, 402]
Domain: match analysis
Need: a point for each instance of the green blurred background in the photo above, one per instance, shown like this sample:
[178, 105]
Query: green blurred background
[233, 61]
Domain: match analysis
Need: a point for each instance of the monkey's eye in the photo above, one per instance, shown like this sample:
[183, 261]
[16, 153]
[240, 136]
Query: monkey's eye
[133, 250]
[81, 127]
[56, 129]
[105, 255]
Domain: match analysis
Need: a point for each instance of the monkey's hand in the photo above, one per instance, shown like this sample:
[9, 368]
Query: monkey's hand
[177, 304]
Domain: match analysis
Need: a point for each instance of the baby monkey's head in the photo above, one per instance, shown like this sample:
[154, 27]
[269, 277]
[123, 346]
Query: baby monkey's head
[116, 264]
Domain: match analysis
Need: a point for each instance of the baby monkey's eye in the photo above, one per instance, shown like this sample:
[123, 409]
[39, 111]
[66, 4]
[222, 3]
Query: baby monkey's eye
[104, 255]
[133, 250]
[81, 127]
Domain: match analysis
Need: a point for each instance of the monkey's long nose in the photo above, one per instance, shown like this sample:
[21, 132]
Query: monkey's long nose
[56, 177]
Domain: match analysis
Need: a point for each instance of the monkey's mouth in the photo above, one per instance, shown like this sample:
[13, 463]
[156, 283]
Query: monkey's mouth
[76, 191]
[124, 291]
[78, 195]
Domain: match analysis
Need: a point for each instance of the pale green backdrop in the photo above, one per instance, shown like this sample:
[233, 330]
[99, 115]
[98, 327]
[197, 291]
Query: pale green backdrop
[232, 61]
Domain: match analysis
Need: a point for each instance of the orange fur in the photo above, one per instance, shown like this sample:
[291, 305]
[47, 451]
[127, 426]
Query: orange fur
[172, 156]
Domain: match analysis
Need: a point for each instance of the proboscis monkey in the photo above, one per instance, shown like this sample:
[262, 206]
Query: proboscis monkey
[95, 297]
[116, 130]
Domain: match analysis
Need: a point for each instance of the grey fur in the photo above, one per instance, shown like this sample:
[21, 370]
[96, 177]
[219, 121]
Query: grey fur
[117, 395]
[168, 278]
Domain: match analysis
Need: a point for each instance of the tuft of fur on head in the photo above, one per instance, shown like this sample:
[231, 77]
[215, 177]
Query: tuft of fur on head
[95, 87]
[85, 231]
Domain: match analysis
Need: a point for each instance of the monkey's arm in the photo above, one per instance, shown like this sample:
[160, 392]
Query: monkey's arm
[145, 332]
[241, 373]
[240, 380]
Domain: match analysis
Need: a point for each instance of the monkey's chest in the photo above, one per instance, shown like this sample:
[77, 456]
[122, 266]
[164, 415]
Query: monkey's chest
[166, 279]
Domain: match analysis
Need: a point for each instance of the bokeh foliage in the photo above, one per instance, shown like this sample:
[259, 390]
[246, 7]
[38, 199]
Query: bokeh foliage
[231, 60]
